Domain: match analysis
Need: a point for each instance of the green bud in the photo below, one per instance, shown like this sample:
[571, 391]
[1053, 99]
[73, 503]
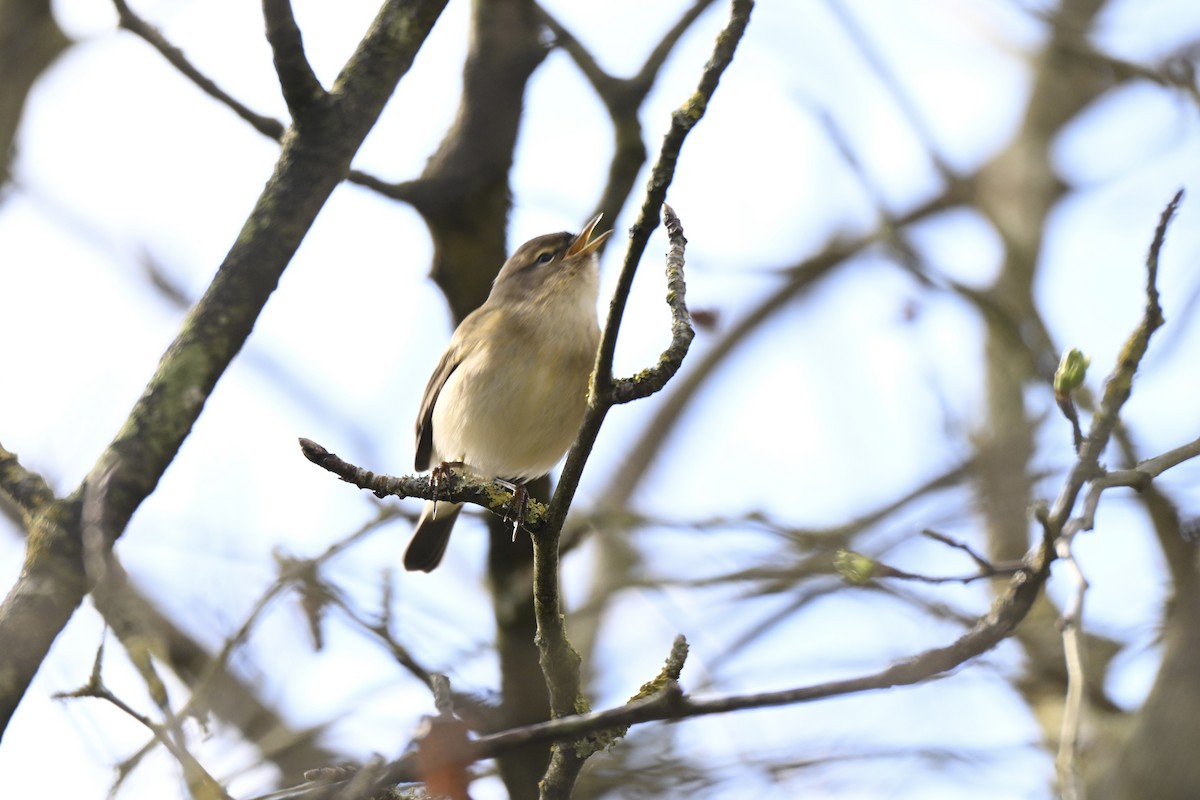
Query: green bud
[1072, 369]
[854, 567]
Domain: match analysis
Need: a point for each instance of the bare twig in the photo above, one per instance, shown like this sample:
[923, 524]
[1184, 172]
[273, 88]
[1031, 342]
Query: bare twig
[670, 703]
[478, 714]
[201, 785]
[130, 21]
[799, 278]
[143, 630]
[862, 569]
[652, 380]
[1066, 762]
[623, 98]
[459, 487]
[1061, 530]
[267, 126]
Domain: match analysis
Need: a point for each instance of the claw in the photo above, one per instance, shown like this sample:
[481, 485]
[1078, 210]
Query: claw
[521, 501]
[443, 473]
[517, 506]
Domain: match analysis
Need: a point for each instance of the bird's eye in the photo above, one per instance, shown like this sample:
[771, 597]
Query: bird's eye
[545, 258]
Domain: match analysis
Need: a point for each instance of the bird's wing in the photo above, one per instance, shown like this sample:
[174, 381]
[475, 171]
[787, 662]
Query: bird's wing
[462, 344]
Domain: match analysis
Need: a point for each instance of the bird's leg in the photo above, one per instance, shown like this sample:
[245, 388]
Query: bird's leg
[440, 474]
[517, 506]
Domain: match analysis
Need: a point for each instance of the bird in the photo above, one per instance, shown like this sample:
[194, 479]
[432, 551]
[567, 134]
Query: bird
[508, 396]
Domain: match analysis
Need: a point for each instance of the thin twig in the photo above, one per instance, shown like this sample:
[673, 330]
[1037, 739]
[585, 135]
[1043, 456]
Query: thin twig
[623, 99]
[268, 126]
[615, 91]
[979, 560]
[863, 570]
[1061, 529]
[652, 380]
[799, 278]
[560, 663]
[1066, 762]
[290, 572]
[459, 487]
[670, 703]
[130, 21]
[201, 784]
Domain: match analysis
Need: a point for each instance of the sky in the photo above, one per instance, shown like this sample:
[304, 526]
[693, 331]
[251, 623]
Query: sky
[121, 162]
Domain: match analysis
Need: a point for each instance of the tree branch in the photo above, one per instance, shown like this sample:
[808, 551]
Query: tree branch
[27, 490]
[623, 98]
[270, 127]
[670, 703]
[1061, 531]
[130, 21]
[459, 487]
[560, 663]
[201, 785]
[30, 41]
[655, 378]
[799, 278]
[311, 164]
[301, 89]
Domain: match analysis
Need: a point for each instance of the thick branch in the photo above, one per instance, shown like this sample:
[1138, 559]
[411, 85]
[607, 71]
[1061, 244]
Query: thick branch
[311, 164]
[464, 194]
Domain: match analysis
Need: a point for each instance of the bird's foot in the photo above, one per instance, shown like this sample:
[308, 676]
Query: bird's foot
[517, 506]
[441, 475]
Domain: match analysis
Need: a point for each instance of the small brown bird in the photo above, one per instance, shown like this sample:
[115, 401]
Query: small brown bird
[510, 392]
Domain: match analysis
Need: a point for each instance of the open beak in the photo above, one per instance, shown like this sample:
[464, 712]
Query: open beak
[584, 244]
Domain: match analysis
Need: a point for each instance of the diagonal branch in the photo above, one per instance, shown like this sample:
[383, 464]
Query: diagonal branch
[201, 784]
[1119, 384]
[270, 127]
[311, 164]
[130, 21]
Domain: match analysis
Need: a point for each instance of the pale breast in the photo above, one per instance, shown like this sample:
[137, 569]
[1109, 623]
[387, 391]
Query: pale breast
[509, 416]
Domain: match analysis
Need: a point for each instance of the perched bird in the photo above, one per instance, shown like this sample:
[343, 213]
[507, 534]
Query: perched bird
[510, 392]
